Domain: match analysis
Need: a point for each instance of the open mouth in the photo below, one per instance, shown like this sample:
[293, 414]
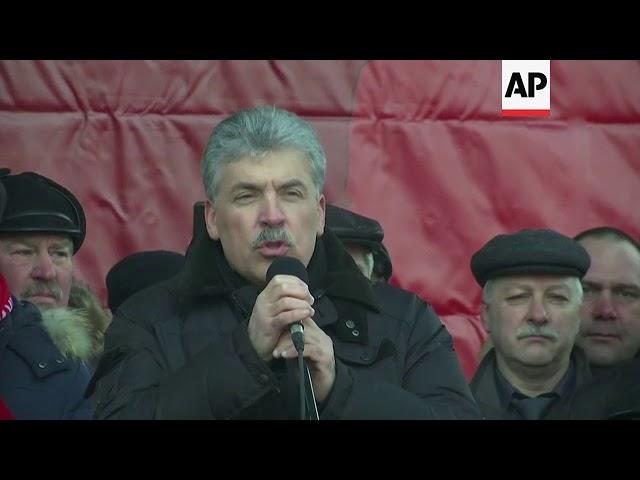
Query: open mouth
[273, 249]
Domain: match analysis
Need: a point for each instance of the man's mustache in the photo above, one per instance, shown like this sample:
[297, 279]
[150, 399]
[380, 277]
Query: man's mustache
[43, 288]
[537, 331]
[273, 234]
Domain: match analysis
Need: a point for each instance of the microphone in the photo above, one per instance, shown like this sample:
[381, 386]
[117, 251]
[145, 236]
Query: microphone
[294, 267]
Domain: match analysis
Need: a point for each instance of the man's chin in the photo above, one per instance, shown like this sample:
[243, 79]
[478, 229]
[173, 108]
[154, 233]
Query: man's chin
[44, 303]
[601, 357]
[46, 307]
[539, 358]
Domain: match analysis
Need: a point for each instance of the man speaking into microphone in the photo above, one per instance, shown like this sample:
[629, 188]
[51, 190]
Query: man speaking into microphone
[215, 341]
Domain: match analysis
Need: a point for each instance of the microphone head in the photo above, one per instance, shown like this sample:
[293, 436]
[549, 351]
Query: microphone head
[287, 266]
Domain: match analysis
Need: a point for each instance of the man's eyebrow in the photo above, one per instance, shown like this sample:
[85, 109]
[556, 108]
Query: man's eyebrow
[245, 186]
[623, 286]
[62, 244]
[614, 286]
[517, 286]
[27, 242]
[10, 242]
[293, 183]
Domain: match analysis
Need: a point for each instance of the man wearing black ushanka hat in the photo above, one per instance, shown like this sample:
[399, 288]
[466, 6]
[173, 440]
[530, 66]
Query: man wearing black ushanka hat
[531, 300]
[43, 374]
[42, 228]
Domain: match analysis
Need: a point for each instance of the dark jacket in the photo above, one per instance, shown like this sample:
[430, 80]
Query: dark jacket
[38, 381]
[181, 350]
[614, 394]
[485, 389]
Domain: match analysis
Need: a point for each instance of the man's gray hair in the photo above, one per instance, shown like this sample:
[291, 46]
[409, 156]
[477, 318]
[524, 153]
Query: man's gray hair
[255, 132]
[488, 288]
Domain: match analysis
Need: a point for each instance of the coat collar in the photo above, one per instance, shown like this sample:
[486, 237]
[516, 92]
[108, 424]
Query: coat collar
[484, 384]
[30, 339]
[332, 272]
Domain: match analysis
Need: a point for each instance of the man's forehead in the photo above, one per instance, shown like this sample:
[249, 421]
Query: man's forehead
[37, 238]
[286, 181]
[272, 165]
[612, 261]
[616, 279]
[532, 281]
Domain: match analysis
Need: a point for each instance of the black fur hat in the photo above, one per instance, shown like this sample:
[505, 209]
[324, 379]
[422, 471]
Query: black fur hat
[35, 203]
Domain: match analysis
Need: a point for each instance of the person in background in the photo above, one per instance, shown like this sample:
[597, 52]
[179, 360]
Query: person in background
[610, 314]
[362, 237]
[42, 230]
[39, 380]
[531, 301]
[140, 270]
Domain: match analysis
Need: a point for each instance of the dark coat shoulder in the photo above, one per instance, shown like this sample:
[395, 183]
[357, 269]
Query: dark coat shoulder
[37, 380]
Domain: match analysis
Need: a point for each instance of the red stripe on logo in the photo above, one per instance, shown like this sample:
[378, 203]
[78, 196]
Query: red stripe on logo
[526, 113]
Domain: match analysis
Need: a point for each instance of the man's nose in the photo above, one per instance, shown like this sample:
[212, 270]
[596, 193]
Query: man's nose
[603, 306]
[44, 269]
[537, 313]
[271, 213]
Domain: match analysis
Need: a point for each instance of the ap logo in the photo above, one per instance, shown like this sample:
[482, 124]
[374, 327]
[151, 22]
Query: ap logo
[526, 88]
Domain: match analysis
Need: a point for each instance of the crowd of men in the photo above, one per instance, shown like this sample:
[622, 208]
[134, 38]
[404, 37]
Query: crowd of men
[207, 334]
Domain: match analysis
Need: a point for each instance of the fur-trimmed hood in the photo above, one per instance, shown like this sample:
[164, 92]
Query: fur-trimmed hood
[74, 333]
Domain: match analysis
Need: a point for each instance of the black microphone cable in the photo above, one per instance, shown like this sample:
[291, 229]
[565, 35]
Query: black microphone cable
[302, 393]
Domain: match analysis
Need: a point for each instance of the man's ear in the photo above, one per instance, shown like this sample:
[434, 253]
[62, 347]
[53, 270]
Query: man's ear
[210, 220]
[322, 208]
[484, 316]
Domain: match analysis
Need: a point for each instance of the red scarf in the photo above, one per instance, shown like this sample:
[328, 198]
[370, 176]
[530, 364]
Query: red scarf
[6, 302]
[5, 413]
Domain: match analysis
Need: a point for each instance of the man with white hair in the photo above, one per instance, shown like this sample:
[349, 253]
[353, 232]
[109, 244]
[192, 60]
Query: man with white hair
[531, 303]
[214, 342]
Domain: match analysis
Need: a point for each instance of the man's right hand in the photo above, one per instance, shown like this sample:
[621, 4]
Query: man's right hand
[285, 300]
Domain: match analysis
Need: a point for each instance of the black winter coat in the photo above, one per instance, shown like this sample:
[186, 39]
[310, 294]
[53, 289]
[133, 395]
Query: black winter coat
[484, 384]
[180, 349]
[613, 395]
[37, 381]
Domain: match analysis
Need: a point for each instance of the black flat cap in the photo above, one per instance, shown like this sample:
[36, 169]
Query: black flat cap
[138, 271]
[529, 252]
[351, 227]
[38, 204]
